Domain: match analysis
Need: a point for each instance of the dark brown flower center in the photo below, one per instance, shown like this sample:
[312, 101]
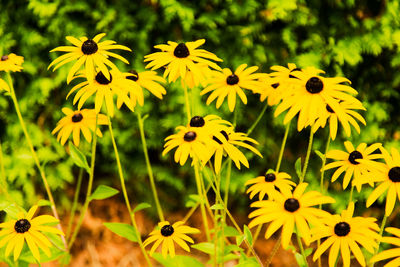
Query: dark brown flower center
[394, 174]
[275, 85]
[181, 51]
[291, 204]
[270, 177]
[232, 79]
[167, 230]
[329, 109]
[4, 58]
[89, 47]
[219, 141]
[291, 76]
[134, 77]
[314, 85]
[353, 156]
[21, 226]
[342, 229]
[197, 121]
[189, 136]
[77, 117]
[101, 79]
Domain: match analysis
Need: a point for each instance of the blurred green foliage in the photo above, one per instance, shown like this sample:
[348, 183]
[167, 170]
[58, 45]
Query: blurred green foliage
[353, 38]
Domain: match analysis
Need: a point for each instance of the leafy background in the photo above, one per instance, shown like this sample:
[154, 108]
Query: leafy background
[356, 39]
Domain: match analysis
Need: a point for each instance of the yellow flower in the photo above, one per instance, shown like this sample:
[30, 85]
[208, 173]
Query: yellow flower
[11, 62]
[312, 95]
[88, 52]
[167, 234]
[225, 142]
[15, 232]
[287, 209]
[149, 80]
[76, 121]
[227, 84]
[105, 89]
[268, 183]
[343, 232]
[179, 59]
[390, 253]
[348, 109]
[4, 86]
[389, 177]
[354, 162]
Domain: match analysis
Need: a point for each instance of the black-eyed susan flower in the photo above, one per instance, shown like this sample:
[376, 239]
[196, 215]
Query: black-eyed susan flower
[4, 86]
[389, 177]
[344, 232]
[76, 122]
[287, 210]
[105, 90]
[390, 253]
[14, 233]
[225, 143]
[350, 116]
[270, 182]
[11, 62]
[91, 53]
[313, 94]
[227, 84]
[356, 162]
[149, 80]
[191, 80]
[166, 235]
[179, 59]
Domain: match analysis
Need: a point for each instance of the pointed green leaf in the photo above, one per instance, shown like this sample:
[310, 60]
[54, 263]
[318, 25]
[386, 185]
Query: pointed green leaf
[122, 229]
[141, 206]
[43, 202]
[230, 231]
[103, 192]
[319, 153]
[239, 239]
[297, 167]
[78, 157]
[205, 247]
[217, 207]
[177, 261]
[248, 235]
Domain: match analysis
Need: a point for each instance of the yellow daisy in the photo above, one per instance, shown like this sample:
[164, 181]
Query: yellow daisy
[4, 86]
[343, 232]
[149, 80]
[287, 210]
[191, 79]
[76, 121]
[105, 89]
[312, 95]
[389, 177]
[11, 62]
[390, 253]
[16, 232]
[179, 59]
[354, 162]
[350, 116]
[227, 84]
[264, 185]
[224, 144]
[89, 52]
[167, 234]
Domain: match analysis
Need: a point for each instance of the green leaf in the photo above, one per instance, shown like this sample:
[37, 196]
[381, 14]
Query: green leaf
[230, 231]
[239, 239]
[193, 200]
[78, 157]
[12, 210]
[103, 192]
[322, 156]
[248, 235]
[217, 207]
[43, 203]
[300, 260]
[177, 261]
[122, 229]
[308, 251]
[205, 247]
[297, 167]
[141, 206]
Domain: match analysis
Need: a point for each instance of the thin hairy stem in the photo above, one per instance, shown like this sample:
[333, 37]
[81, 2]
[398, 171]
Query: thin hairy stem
[258, 119]
[371, 264]
[202, 203]
[310, 142]
[75, 202]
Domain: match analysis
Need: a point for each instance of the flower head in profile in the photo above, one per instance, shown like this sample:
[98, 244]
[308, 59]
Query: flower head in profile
[14, 233]
[388, 175]
[350, 117]
[344, 232]
[179, 59]
[4, 86]
[287, 210]
[270, 182]
[76, 122]
[11, 62]
[356, 162]
[91, 53]
[227, 84]
[390, 253]
[312, 95]
[148, 80]
[166, 235]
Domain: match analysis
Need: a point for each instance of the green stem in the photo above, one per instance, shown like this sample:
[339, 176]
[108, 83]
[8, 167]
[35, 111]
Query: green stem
[228, 181]
[193, 209]
[124, 191]
[301, 248]
[34, 155]
[149, 169]
[75, 202]
[88, 190]
[202, 203]
[258, 119]
[310, 142]
[380, 236]
[187, 103]
[274, 251]
[351, 194]
[4, 185]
